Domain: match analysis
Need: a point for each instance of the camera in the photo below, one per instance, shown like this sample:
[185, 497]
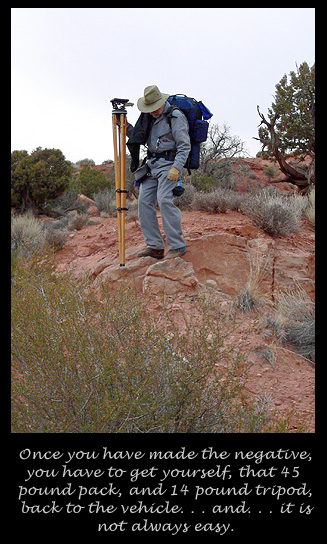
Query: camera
[119, 105]
[178, 191]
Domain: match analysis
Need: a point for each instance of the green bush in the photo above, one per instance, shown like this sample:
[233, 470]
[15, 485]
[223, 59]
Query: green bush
[202, 182]
[100, 363]
[269, 171]
[90, 181]
[39, 177]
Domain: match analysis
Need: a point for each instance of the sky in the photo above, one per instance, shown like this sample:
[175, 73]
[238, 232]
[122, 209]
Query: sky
[68, 63]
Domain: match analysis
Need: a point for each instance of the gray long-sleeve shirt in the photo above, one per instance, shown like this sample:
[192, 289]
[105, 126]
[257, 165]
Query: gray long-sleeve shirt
[162, 137]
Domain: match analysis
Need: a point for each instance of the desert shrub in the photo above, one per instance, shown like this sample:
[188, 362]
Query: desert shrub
[86, 363]
[77, 222]
[227, 173]
[202, 182]
[294, 321]
[68, 201]
[230, 172]
[269, 171]
[30, 238]
[105, 201]
[185, 201]
[224, 175]
[272, 212]
[65, 201]
[250, 298]
[305, 206]
[218, 201]
[39, 177]
[90, 181]
[301, 335]
[56, 234]
[59, 224]
[132, 212]
[310, 210]
[210, 202]
[300, 203]
[27, 237]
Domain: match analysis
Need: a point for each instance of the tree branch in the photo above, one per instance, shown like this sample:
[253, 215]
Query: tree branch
[294, 176]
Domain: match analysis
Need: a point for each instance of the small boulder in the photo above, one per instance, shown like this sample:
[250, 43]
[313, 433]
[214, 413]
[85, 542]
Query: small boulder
[170, 276]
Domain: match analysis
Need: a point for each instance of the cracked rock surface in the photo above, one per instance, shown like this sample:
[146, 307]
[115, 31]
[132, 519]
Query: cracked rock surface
[224, 252]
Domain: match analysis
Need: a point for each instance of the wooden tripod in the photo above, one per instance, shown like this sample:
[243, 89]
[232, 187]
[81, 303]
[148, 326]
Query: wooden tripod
[119, 126]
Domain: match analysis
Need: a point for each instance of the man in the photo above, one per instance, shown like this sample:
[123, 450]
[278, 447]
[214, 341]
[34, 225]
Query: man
[168, 148]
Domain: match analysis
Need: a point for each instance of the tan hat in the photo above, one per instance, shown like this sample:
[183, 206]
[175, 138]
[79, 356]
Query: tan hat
[152, 100]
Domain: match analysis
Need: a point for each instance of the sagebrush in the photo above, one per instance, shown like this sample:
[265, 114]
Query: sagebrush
[100, 362]
[28, 237]
[294, 321]
[272, 212]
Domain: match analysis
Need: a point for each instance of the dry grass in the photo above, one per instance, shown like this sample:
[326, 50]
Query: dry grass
[251, 298]
[293, 321]
[27, 237]
[218, 201]
[272, 212]
[310, 210]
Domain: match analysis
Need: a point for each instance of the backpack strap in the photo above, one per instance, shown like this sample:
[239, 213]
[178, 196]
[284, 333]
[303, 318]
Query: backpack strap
[169, 113]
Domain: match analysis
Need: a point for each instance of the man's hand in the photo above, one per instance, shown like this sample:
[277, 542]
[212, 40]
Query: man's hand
[173, 174]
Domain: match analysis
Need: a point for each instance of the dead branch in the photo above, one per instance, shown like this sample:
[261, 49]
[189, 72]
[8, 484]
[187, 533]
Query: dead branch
[295, 176]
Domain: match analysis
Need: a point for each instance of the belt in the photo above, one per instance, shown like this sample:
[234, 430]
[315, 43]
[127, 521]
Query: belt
[169, 155]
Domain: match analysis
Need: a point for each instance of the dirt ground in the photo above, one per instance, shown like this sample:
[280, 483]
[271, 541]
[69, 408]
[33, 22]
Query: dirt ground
[285, 377]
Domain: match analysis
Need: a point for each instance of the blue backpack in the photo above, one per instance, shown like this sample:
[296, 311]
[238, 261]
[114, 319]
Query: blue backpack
[197, 115]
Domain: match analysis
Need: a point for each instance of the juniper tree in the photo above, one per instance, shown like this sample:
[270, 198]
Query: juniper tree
[294, 105]
[291, 125]
[43, 175]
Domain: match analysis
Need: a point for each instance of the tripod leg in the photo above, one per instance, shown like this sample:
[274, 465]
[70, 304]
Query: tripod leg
[122, 157]
[116, 141]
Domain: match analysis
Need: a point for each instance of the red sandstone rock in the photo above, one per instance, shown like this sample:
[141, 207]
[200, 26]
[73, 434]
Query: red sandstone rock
[220, 249]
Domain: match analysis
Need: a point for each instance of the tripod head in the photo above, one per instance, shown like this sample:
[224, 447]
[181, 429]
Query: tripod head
[119, 105]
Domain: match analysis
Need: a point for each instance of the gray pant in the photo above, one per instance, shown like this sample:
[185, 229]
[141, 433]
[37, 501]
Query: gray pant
[158, 188]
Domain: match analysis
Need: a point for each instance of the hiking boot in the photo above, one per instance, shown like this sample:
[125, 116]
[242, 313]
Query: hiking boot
[172, 253]
[150, 252]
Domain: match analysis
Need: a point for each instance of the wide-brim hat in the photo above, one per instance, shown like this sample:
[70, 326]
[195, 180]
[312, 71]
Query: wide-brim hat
[152, 100]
